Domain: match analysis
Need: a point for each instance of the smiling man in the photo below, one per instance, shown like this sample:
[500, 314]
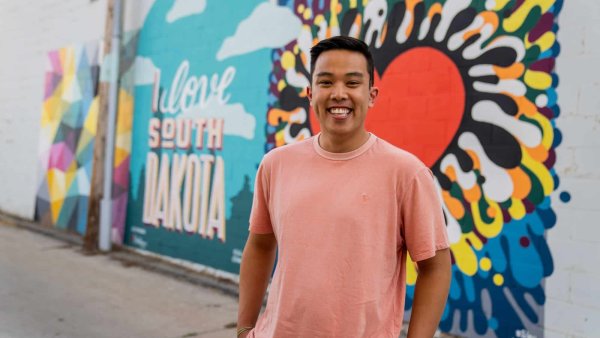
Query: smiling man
[342, 210]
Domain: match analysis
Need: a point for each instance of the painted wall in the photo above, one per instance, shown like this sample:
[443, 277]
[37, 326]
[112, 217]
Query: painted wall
[558, 294]
[28, 33]
[68, 129]
[468, 87]
[69, 120]
[197, 139]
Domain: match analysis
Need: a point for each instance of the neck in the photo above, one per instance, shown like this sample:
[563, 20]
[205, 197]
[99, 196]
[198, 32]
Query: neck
[342, 144]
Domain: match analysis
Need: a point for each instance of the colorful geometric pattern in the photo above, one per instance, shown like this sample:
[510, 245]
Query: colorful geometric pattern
[469, 87]
[124, 125]
[68, 128]
[122, 154]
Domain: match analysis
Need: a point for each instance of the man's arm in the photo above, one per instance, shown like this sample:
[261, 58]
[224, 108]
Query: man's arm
[255, 270]
[431, 292]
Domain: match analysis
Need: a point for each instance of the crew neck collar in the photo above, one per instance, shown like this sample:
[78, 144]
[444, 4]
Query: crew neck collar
[343, 156]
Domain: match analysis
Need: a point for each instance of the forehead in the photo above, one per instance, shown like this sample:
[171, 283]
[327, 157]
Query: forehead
[341, 61]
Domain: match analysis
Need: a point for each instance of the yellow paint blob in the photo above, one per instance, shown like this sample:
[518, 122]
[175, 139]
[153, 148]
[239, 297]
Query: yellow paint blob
[547, 129]
[517, 18]
[280, 85]
[466, 261]
[544, 42]
[307, 14]
[279, 138]
[498, 279]
[517, 209]
[300, 8]
[55, 208]
[475, 241]
[411, 271]
[125, 115]
[318, 19]
[538, 80]
[485, 264]
[288, 60]
[92, 117]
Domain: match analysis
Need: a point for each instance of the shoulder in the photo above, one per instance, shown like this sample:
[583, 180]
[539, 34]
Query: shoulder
[397, 158]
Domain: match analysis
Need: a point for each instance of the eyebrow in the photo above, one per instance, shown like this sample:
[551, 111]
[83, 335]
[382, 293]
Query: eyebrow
[350, 74]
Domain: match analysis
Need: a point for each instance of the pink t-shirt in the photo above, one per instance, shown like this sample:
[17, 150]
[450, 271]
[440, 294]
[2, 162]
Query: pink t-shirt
[343, 223]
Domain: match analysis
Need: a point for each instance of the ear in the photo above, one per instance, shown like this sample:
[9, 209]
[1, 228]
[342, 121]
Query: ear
[373, 92]
[309, 94]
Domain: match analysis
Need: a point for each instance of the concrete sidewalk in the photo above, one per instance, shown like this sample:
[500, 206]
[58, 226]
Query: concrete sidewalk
[48, 288]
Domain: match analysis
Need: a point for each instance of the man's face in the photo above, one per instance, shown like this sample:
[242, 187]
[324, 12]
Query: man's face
[340, 93]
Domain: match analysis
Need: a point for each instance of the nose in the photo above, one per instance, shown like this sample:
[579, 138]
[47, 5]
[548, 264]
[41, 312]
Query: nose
[338, 93]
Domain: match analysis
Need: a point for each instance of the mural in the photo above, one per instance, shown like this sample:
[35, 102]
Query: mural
[195, 145]
[467, 86]
[68, 128]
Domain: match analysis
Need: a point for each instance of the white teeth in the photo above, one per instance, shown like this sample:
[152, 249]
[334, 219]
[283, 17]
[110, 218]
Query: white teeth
[339, 111]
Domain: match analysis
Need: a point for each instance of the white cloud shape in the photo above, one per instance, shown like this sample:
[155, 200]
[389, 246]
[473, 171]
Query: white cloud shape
[237, 121]
[268, 26]
[142, 71]
[183, 8]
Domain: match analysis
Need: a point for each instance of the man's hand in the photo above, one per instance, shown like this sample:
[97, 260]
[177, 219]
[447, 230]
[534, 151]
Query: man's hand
[431, 292]
[255, 270]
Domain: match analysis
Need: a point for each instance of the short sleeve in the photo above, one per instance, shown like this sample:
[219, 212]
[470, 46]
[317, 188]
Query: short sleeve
[260, 219]
[423, 226]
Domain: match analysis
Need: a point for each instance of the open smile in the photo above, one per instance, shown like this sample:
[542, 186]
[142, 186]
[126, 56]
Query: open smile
[339, 113]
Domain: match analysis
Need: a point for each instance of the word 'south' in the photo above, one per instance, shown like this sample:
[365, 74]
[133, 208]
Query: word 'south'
[182, 133]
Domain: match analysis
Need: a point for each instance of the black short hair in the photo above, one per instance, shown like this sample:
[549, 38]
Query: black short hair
[344, 43]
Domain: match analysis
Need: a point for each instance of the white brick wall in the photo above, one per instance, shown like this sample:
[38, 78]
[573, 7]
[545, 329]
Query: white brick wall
[573, 290]
[28, 30]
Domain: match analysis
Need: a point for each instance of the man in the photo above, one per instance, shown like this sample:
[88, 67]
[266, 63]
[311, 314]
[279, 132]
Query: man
[341, 210]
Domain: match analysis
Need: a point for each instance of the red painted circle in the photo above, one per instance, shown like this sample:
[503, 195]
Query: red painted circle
[420, 105]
